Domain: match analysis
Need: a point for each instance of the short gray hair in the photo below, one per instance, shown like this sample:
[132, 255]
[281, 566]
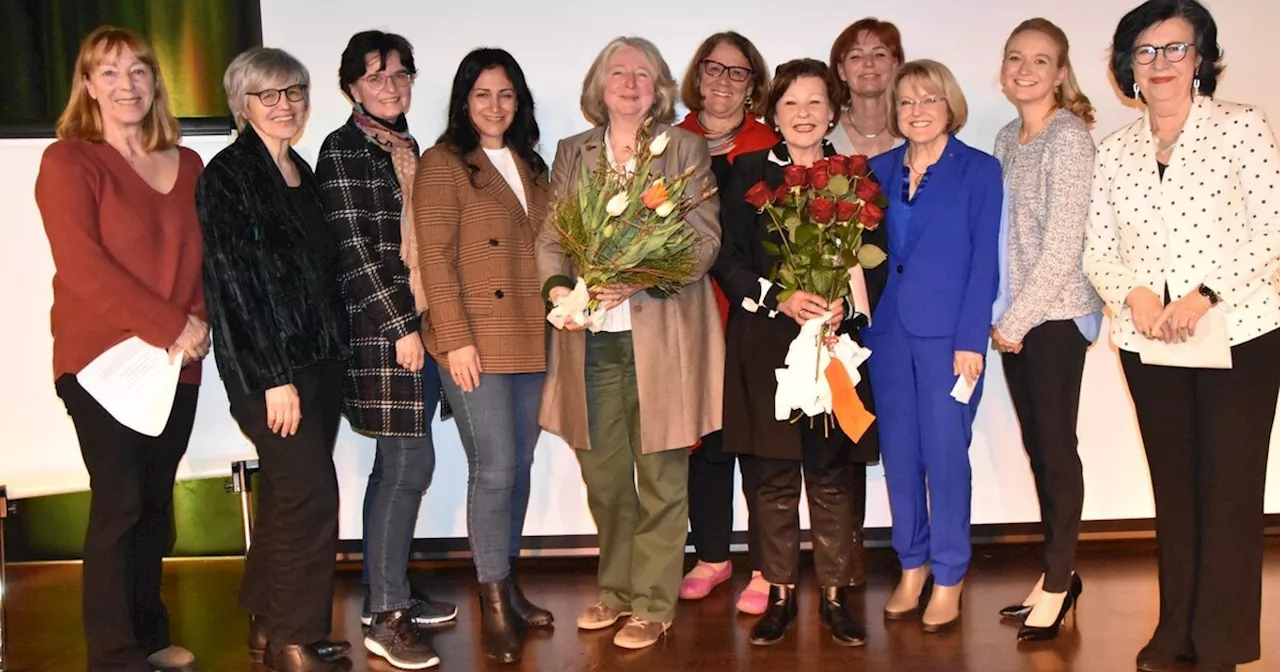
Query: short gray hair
[664, 85]
[253, 69]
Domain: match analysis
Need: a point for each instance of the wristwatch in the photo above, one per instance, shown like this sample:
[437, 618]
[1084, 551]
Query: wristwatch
[1209, 294]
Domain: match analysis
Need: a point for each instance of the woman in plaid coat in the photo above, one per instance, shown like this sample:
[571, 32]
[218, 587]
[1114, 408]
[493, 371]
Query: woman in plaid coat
[366, 171]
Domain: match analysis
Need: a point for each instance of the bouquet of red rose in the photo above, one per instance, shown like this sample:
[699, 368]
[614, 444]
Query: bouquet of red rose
[820, 213]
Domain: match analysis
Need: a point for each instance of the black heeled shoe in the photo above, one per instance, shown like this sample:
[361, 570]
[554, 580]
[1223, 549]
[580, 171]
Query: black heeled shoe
[845, 629]
[1151, 659]
[329, 651]
[532, 615]
[1019, 611]
[500, 625]
[1032, 633]
[777, 619]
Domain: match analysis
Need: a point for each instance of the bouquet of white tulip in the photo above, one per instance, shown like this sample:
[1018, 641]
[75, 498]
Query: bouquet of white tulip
[626, 229]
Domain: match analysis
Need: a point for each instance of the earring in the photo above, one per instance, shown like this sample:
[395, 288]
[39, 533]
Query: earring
[1195, 85]
[1136, 93]
[747, 103]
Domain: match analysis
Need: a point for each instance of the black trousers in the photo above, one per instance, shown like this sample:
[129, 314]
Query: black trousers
[711, 501]
[1044, 383]
[130, 526]
[1207, 433]
[288, 576]
[837, 500]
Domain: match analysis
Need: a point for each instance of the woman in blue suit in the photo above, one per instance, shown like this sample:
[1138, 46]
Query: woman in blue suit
[930, 330]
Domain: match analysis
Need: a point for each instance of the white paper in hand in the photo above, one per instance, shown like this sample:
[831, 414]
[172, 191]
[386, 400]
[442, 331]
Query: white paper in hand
[135, 382]
[1207, 349]
[962, 390]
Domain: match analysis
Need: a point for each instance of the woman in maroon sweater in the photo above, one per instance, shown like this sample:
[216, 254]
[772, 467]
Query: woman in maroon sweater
[724, 88]
[117, 196]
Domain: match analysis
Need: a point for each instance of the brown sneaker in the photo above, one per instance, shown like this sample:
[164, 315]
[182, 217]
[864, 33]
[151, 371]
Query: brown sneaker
[600, 616]
[639, 633]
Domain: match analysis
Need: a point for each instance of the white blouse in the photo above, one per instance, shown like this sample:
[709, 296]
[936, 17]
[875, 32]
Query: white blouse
[1213, 219]
[506, 165]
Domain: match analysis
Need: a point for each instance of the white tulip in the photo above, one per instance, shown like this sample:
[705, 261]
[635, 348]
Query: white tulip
[617, 205]
[659, 144]
[665, 209]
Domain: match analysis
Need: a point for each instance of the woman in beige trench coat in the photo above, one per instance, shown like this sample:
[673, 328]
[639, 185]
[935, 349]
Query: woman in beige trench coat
[634, 396]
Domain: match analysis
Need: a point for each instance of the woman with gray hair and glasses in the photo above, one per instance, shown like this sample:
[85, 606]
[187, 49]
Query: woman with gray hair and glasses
[271, 284]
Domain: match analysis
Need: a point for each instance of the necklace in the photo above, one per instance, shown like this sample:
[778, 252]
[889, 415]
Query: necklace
[1163, 146]
[870, 136]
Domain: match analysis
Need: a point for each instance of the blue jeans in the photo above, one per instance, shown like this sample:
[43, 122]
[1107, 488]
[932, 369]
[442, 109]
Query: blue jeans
[498, 425]
[401, 474]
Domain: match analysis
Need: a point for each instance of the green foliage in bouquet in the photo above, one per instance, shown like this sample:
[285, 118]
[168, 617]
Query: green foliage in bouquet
[820, 214]
[630, 229]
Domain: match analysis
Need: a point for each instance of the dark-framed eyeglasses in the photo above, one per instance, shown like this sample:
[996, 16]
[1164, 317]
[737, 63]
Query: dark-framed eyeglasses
[378, 80]
[271, 97]
[714, 69]
[1145, 54]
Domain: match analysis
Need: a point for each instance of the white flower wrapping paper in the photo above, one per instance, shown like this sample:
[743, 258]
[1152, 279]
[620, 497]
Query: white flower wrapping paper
[801, 383]
[574, 308]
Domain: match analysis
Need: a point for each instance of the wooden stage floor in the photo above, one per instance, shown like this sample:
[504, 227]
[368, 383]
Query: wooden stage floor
[1116, 615]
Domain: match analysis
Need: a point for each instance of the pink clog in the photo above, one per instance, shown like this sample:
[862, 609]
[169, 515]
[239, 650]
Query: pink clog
[700, 580]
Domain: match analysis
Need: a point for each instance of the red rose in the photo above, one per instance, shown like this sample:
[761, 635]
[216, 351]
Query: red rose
[822, 210]
[858, 166]
[870, 216]
[794, 176]
[839, 165]
[780, 194]
[867, 189]
[846, 210]
[819, 174]
[759, 195]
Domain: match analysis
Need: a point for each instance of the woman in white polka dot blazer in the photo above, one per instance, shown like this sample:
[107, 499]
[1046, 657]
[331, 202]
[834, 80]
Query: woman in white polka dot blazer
[1186, 206]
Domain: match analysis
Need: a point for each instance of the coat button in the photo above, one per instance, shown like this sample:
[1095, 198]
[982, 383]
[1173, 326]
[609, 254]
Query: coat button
[493, 242]
[899, 268]
[498, 294]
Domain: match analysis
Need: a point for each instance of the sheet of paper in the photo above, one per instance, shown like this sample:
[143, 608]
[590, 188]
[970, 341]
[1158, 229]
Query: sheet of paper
[962, 390]
[1207, 349]
[135, 383]
[858, 292]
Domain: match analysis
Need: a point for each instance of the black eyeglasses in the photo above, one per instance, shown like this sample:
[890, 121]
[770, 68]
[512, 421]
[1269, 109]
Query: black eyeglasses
[271, 97]
[714, 69]
[1145, 54]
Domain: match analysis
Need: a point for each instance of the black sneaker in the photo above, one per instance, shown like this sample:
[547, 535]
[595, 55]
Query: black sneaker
[426, 611]
[395, 637]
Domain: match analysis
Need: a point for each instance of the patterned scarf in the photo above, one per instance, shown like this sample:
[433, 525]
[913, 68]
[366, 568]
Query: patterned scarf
[404, 156]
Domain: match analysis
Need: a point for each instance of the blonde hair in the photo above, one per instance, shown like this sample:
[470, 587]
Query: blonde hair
[664, 85]
[936, 79]
[1068, 96]
[82, 117]
[253, 69]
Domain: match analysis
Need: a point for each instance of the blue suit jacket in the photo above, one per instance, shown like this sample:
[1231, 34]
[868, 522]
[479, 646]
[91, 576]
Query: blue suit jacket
[943, 277]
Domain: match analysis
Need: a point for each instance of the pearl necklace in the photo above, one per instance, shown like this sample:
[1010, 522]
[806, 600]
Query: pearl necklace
[871, 136]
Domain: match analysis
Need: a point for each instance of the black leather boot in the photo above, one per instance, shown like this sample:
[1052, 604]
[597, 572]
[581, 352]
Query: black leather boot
[326, 650]
[499, 622]
[777, 619]
[297, 658]
[858, 564]
[530, 613]
[845, 629]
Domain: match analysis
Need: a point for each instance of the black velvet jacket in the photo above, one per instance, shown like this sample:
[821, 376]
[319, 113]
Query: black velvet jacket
[273, 299]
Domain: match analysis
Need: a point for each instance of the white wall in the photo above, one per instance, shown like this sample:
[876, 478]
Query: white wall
[555, 43]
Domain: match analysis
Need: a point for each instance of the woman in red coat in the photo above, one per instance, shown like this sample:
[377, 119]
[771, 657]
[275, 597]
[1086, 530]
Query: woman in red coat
[724, 88]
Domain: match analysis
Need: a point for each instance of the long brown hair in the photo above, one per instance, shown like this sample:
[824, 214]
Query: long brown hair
[1068, 96]
[82, 118]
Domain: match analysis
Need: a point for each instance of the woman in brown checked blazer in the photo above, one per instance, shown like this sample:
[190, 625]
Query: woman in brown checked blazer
[480, 196]
[633, 397]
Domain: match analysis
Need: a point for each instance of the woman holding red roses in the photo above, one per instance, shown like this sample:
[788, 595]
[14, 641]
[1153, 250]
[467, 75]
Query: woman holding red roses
[761, 328]
[929, 333]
